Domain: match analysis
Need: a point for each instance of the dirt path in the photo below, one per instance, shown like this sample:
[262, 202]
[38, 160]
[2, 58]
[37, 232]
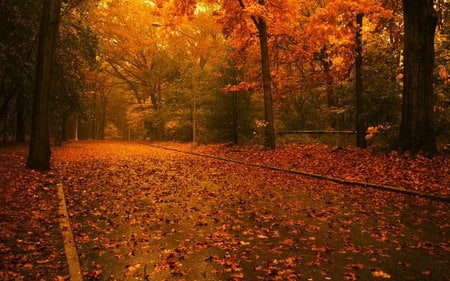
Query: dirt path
[141, 213]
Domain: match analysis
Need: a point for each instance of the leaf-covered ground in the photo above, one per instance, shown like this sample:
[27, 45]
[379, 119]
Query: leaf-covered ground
[30, 240]
[143, 213]
[392, 169]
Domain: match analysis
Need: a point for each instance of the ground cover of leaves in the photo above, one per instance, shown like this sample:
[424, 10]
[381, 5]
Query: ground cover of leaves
[143, 213]
[392, 169]
[31, 246]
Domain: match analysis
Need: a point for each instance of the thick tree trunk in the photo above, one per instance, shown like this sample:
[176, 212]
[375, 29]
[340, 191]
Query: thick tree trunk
[416, 130]
[39, 152]
[360, 125]
[269, 132]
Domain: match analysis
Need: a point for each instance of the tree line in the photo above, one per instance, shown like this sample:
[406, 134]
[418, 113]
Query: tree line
[207, 71]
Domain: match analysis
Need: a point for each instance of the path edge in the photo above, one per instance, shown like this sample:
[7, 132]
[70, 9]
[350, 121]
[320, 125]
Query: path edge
[317, 176]
[67, 235]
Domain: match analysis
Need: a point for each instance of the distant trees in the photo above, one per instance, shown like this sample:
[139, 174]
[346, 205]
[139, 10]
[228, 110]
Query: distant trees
[159, 71]
[311, 48]
[19, 22]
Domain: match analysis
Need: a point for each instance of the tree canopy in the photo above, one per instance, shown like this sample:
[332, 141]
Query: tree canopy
[160, 69]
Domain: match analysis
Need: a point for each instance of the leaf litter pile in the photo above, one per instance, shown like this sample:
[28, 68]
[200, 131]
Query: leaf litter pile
[142, 213]
[430, 176]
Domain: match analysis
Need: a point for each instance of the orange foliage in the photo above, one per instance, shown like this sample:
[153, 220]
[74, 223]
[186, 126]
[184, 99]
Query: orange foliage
[300, 31]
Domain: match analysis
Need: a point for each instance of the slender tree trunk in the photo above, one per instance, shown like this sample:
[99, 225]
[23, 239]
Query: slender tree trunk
[5, 103]
[95, 115]
[269, 129]
[103, 117]
[39, 152]
[416, 129]
[76, 128]
[20, 117]
[326, 64]
[359, 87]
[235, 118]
[64, 127]
[5, 126]
[269, 132]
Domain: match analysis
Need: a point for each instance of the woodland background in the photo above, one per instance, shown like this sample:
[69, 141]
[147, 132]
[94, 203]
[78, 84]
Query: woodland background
[137, 69]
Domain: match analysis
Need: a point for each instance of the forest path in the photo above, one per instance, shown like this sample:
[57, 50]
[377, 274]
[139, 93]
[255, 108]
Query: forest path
[143, 213]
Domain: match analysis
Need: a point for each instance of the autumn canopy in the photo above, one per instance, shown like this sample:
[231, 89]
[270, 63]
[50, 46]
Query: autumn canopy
[219, 71]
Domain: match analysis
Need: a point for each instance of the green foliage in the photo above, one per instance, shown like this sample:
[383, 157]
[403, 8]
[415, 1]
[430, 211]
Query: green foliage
[384, 138]
[219, 117]
[309, 109]
[177, 115]
[382, 95]
[221, 107]
[19, 24]
[76, 54]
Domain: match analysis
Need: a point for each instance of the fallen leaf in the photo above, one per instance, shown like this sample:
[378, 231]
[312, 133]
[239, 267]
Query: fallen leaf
[380, 273]
[28, 266]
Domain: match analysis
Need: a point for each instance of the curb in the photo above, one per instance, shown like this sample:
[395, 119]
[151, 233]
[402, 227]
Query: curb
[321, 177]
[69, 243]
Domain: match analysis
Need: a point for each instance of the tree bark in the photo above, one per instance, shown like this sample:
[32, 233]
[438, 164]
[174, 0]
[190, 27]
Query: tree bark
[360, 125]
[20, 117]
[235, 118]
[269, 131]
[416, 129]
[39, 152]
[103, 100]
[4, 106]
[64, 127]
[94, 115]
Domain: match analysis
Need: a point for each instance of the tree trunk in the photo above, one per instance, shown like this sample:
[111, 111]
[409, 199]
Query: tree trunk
[39, 152]
[64, 127]
[76, 129]
[94, 115]
[5, 126]
[269, 131]
[103, 116]
[5, 104]
[416, 129]
[322, 57]
[360, 125]
[235, 118]
[20, 117]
